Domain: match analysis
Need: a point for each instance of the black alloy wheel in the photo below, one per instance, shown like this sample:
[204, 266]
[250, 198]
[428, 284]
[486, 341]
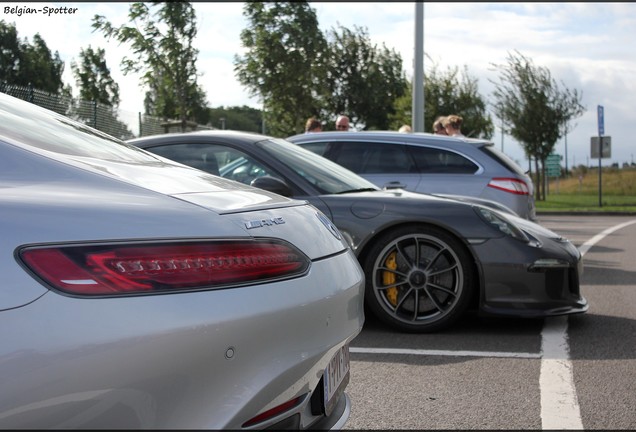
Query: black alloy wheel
[418, 279]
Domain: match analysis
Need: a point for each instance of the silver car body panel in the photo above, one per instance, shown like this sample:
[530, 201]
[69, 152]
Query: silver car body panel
[200, 359]
[223, 354]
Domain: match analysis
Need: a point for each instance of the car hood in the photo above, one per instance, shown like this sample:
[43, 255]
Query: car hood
[485, 202]
[399, 193]
[388, 206]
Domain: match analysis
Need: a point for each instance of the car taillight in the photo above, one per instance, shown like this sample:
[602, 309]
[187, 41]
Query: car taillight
[156, 267]
[511, 185]
[273, 412]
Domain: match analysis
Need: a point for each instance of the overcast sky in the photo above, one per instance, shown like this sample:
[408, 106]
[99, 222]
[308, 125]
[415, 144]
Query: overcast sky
[586, 46]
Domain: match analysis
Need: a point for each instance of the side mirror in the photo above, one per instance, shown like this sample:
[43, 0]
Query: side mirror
[272, 184]
[394, 185]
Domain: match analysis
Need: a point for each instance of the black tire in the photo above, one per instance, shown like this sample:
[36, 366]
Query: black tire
[419, 279]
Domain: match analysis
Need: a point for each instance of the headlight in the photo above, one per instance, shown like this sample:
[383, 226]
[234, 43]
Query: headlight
[502, 224]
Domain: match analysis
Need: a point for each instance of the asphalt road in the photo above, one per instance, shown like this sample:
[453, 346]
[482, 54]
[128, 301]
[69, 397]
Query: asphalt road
[576, 372]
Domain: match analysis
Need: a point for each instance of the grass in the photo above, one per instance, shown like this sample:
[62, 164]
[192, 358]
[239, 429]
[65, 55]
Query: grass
[579, 192]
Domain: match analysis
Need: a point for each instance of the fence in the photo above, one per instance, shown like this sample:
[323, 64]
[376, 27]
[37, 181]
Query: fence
[115, 122]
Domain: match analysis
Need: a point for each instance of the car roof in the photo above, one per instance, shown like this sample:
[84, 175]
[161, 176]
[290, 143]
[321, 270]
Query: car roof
[390, 136]
[239, 136]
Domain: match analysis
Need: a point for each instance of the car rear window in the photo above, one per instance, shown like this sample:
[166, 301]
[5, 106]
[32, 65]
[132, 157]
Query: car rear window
[372, 158]
[503, 159]
[318, 147]
[433, 160]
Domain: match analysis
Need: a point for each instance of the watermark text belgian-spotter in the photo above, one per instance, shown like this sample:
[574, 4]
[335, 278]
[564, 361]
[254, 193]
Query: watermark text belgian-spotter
[46, 10]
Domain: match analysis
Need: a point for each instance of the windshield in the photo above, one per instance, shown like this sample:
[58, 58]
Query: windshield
[328, 177]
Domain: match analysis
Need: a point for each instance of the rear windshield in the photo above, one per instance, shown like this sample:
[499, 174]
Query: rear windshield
[503, 159]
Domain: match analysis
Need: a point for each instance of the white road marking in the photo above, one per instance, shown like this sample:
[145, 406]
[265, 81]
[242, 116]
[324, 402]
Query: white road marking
[591, 242]
[442, 352]
[559, 402]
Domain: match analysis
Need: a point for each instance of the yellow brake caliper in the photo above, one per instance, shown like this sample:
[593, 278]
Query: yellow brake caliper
[388, 278]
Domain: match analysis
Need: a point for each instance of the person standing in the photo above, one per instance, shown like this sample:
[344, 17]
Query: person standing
[453, 125]
[342, 123]
[313, 125]
[438, 126]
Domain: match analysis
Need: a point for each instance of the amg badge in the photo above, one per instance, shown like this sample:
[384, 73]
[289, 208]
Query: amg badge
[264, 222]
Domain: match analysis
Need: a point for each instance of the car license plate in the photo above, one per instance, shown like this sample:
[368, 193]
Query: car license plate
[336, 378]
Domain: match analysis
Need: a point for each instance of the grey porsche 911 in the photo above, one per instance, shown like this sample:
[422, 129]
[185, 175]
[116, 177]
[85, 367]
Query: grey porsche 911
[427, 259]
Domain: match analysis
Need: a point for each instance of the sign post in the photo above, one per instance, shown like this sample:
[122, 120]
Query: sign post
[553, 168]
[601, 131]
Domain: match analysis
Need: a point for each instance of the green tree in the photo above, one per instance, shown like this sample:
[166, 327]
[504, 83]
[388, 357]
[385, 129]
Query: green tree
[535, 109]
[455, 93]
[98, 97]
[10, 53]
[448, 92]
[162, 42]
[43, 69]
[283, 64]
[363, 80]
[93, 78]
[243, 118]
[402, 109]
[23, 63]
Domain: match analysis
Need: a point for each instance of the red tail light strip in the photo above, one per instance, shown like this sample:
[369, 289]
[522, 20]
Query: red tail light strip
[511, 185]
[154, 267]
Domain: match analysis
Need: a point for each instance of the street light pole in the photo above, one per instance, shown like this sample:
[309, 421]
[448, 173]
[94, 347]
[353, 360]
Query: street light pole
[418, 67]
[566, 149]
[502, 131]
